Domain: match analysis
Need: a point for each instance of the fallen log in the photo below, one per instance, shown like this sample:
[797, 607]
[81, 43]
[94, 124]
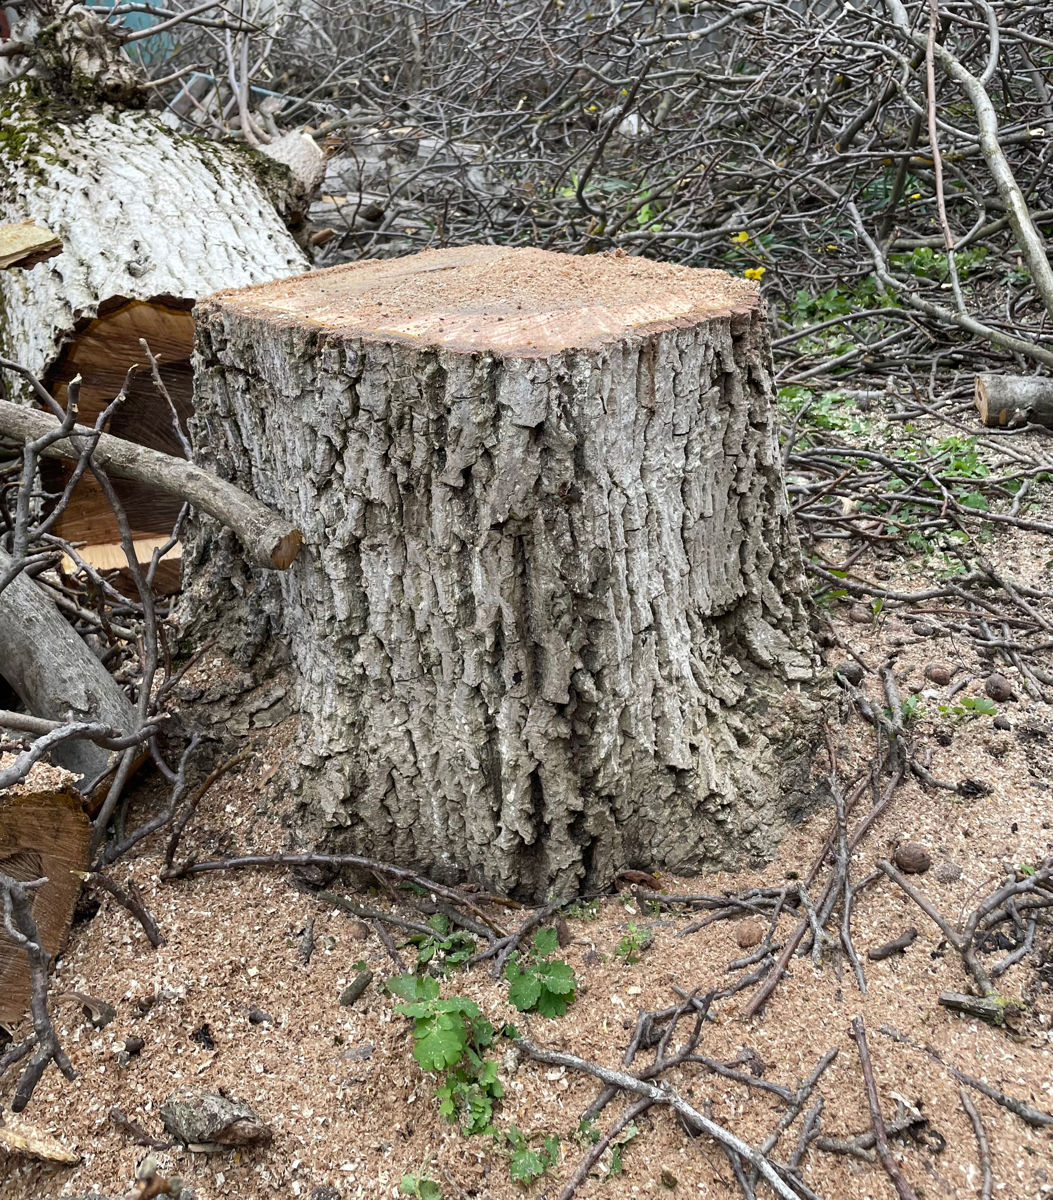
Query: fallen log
[1007, 400]
[54, 672]
[149, 220]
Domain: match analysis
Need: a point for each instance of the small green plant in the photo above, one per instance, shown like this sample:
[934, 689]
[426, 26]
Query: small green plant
[443, 950]
[539, 983]
[926, 263]
[1026, 869]
[442, 1029]
[617, 1149]
[468, 1093]
[636, 940]
[912, 708]
[588, 1132]
[452, 1035]
[583, 910]
[527, 1164]
[968, 707]
[420, 1186]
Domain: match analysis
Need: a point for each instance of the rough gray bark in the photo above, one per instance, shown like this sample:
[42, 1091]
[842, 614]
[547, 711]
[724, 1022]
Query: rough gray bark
[547, 623]
[55, 674]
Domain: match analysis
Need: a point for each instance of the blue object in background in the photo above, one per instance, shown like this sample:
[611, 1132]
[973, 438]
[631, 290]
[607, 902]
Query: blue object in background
[148, 50]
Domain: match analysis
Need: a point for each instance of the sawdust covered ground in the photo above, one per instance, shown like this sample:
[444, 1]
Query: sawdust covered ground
[351, 1110]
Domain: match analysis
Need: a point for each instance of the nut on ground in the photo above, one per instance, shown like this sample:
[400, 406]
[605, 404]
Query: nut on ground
[912, 858]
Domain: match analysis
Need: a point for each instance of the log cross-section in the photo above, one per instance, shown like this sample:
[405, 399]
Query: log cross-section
[548, 621]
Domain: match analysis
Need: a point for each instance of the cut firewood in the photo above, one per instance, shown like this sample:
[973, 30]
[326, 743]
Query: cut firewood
[42, 834]
[25, 244]
[1014, 399]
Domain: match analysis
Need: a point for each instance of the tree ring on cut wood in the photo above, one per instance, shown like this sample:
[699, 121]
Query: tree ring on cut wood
[548, 622]
[42, 834]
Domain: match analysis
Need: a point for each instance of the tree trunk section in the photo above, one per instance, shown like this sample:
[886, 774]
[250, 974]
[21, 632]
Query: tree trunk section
[1014, 399]
[149, 220]
[548, 620]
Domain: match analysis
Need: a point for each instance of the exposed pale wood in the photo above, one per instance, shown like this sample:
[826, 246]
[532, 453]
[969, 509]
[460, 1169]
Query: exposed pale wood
[25, 244]
[41, 834]
[269, 540]
[101, 354]
[549, 622]
[19, 1137]
[507, 302]
[111, 557]
[1014, 399]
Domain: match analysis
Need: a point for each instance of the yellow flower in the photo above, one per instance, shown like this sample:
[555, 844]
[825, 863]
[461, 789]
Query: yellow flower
[915, 195]
[742, 238]
[754, 272]
[831, 245]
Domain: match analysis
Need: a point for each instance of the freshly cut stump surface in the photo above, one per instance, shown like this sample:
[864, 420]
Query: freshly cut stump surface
[548, 620]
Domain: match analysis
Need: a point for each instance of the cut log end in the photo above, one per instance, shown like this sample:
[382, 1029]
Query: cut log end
[514, 302]
[101, 352]
[42, 834]
[286, 550]
[1011, 400]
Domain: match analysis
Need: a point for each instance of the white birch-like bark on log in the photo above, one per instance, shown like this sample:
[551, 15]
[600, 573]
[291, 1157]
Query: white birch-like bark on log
[143, 213]
[548, 622]
[149, 219]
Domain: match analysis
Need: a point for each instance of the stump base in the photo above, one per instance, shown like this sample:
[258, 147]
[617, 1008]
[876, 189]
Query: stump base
[548, 622]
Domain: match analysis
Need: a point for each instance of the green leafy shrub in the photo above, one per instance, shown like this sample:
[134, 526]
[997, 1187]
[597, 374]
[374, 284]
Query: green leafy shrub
[538, 983]
[442, 1029]
[452, 1035]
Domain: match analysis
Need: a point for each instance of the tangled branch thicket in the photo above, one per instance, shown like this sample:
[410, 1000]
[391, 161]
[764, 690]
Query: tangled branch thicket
[883, 168]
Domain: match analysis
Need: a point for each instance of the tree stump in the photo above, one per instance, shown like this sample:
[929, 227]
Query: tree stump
[548, 622]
